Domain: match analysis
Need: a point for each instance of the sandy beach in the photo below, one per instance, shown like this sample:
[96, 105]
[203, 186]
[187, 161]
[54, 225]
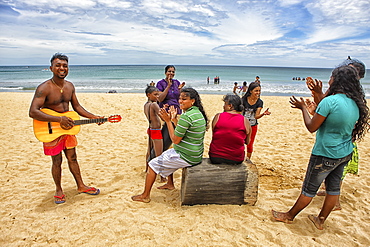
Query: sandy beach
[112, 158]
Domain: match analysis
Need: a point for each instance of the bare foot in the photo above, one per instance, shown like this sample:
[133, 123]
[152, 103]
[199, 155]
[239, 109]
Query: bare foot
[140, 198]
[337, 207]
[163, 180]
[166, 187]
[321, 193]
[316, 221]
[283, 217]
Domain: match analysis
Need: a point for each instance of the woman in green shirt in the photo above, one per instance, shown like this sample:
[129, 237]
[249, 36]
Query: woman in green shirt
[187, 138]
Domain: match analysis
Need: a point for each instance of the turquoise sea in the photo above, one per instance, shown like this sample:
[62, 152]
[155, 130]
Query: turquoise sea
[276, 81]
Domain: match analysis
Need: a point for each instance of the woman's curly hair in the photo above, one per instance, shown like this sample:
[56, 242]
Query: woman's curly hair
[345, 80]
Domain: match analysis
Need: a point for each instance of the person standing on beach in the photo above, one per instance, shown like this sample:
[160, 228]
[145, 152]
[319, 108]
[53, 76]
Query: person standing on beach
[169, 96]
[151, 111]
[56, 94]
[155, 139]
[187, 136]
[315, 87]
[170, 89]
[252, 111]
[341, 118]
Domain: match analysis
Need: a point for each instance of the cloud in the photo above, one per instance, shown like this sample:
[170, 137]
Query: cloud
[91, 33]
[250, 32]
[347, 19]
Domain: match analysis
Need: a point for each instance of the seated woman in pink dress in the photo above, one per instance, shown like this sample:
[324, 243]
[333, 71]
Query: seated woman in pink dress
[231, 131]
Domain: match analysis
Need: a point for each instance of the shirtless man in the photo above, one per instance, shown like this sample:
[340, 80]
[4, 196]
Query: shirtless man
[56, 94]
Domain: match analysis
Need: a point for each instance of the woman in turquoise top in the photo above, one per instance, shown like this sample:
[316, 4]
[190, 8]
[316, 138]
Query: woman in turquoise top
[340, 119]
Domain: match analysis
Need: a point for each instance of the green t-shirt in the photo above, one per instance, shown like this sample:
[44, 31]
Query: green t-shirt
[192, 128]
[334, 137]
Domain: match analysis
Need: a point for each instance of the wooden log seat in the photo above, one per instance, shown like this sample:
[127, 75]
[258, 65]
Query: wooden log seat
[222, 184]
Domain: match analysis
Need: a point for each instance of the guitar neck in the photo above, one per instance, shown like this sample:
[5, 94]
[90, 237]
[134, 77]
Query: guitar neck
[88, 121]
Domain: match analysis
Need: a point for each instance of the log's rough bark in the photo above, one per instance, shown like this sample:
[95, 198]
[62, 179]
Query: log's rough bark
[209, 183]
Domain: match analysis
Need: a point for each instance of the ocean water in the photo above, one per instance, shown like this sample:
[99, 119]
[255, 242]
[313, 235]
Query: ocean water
[277, 81]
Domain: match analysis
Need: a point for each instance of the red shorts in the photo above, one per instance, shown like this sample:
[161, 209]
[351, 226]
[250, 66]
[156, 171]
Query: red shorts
[155, 134]
[62, 142]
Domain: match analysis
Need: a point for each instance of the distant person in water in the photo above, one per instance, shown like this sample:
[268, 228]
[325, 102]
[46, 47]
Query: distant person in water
[217, 80]
[236, 87]
[244, 88]
[257, 79]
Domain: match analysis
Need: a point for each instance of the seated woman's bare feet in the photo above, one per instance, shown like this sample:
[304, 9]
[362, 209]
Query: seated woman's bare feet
[140, 198]
[166, 187]
[162, 179]
[316, 221]
[283, 217]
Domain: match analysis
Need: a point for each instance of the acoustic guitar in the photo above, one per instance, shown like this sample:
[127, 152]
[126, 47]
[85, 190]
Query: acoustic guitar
[49, 131]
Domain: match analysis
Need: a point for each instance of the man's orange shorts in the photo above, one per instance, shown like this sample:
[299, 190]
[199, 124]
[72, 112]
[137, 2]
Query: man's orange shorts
[63, 142]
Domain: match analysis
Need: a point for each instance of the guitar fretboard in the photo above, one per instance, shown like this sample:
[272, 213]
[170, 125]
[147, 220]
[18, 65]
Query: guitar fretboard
[87, 121]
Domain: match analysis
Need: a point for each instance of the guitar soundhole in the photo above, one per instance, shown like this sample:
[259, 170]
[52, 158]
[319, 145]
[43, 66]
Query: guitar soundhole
[50, 128]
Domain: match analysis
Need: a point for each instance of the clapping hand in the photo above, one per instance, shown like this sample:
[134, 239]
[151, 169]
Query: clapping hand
[164, 115]
[314, 85]
[311, 106]
[300, 104]
[170, 82]
[181, 85]
[173, 112]
[169, 115]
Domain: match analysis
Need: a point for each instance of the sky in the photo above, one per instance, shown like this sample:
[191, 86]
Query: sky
[286, 33]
